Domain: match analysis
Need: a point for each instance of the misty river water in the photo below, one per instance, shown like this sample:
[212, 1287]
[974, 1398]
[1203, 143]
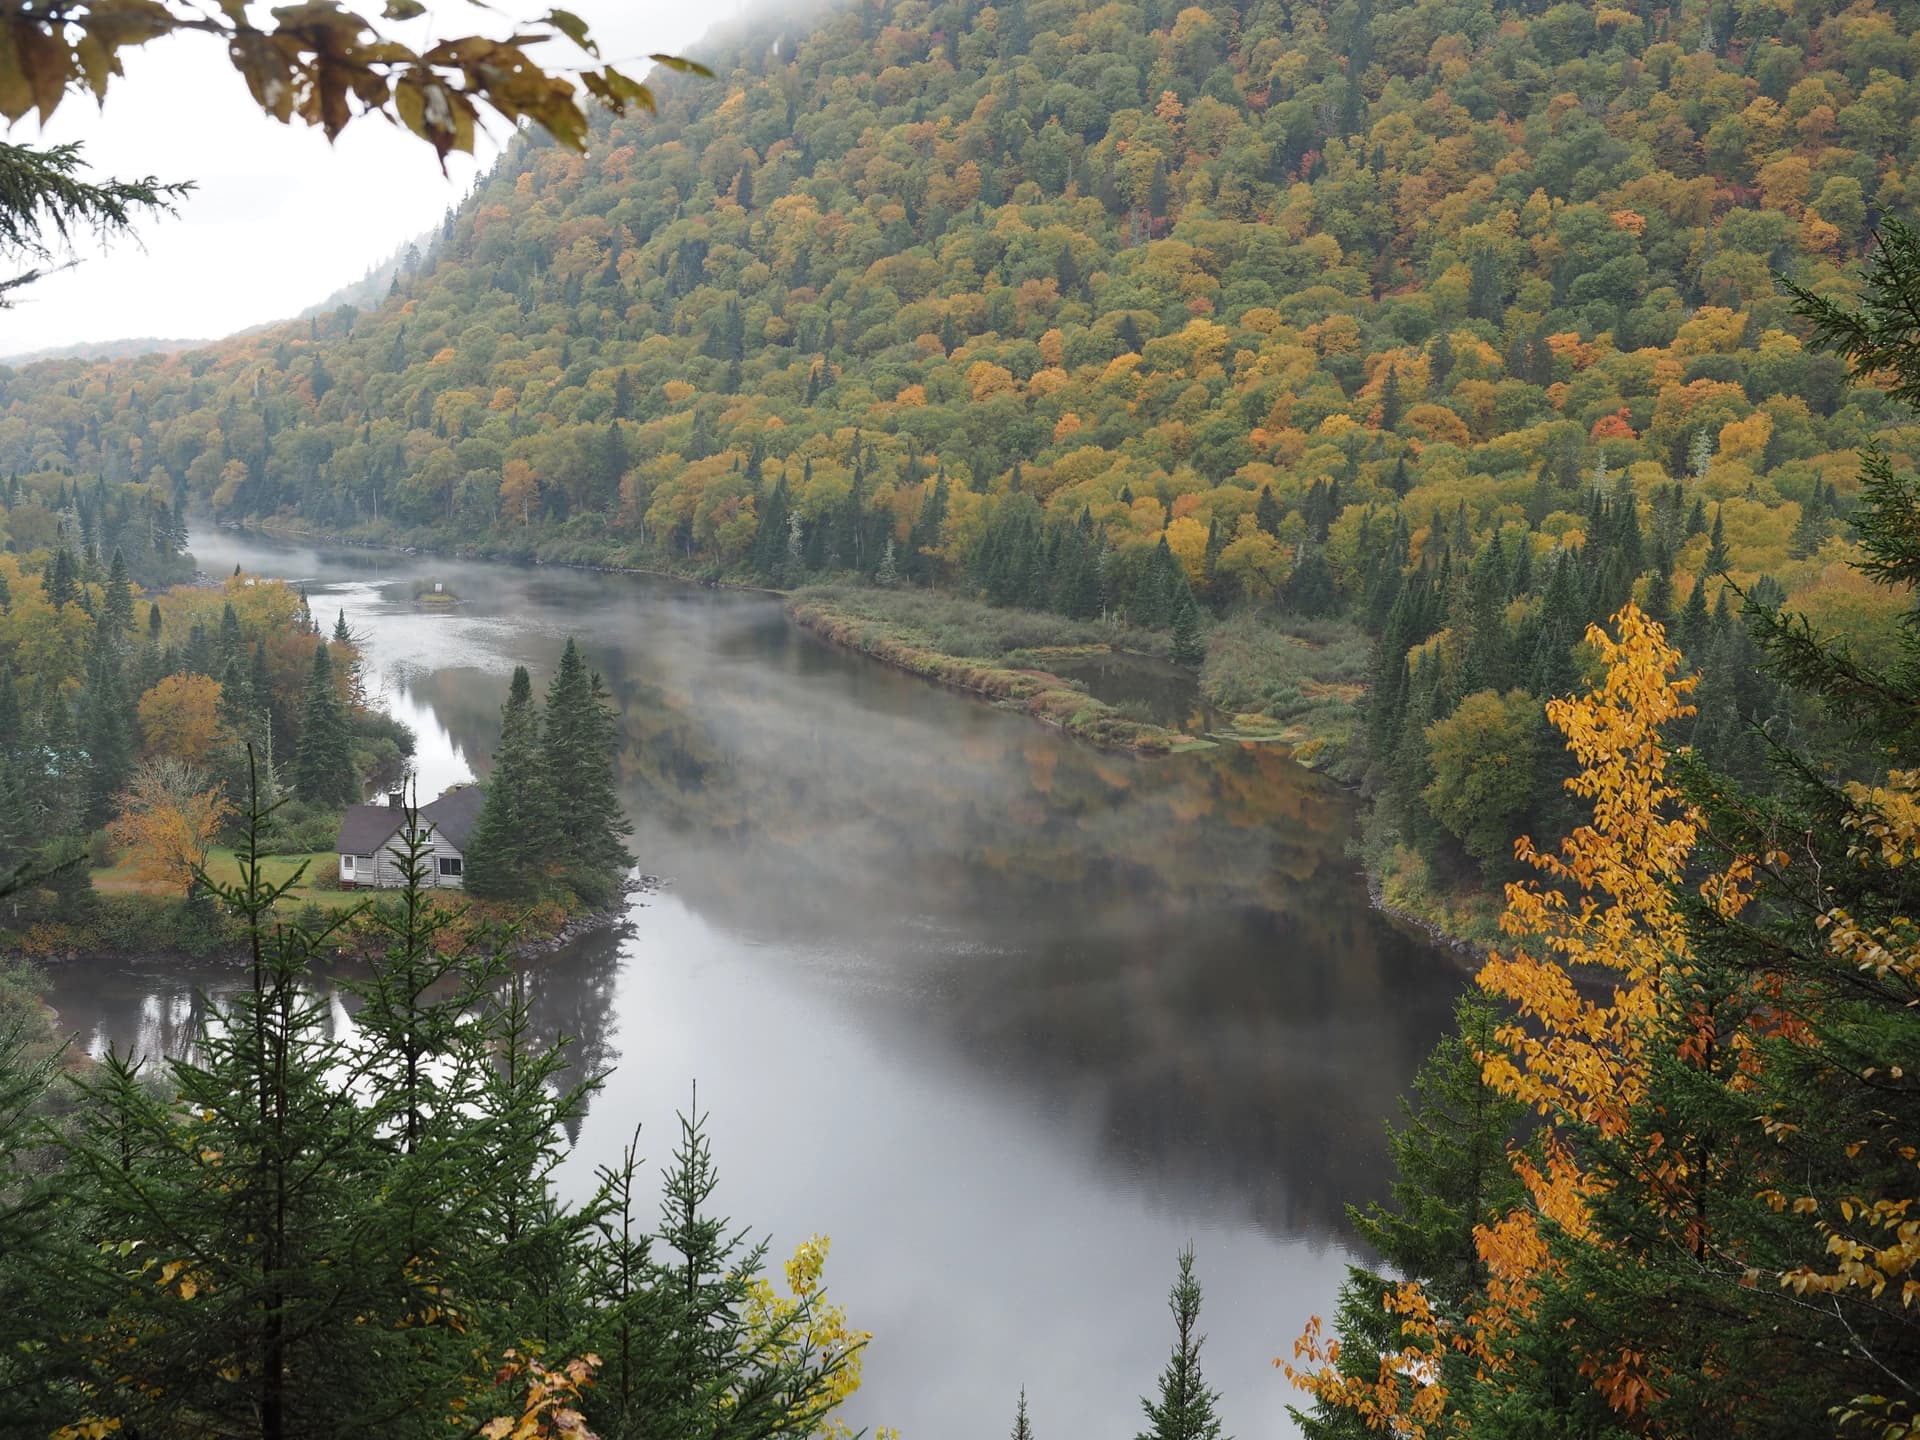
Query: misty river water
[1009, 1019]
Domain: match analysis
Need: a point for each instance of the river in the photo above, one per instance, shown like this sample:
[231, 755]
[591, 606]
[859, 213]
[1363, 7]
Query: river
[1009, 1019]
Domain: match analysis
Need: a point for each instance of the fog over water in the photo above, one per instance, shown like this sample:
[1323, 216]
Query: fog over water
[1009, 1019]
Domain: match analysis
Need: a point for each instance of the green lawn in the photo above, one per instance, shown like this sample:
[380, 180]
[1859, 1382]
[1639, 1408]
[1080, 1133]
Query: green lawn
[225, 868]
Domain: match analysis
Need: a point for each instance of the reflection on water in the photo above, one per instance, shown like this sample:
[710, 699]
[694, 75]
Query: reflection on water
[1010, 1019]
[1148, 689]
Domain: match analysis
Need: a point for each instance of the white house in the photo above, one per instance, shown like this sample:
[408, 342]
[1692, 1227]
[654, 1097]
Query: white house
[372, 847]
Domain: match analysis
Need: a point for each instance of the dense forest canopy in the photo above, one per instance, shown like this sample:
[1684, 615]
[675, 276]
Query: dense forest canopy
[1184, 255]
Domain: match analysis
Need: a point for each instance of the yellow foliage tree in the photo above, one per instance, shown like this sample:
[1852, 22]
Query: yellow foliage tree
[1586, 975]
[823, 1334]
[1254, 566]
[180, 717]
[519, 488]
[1187, 539]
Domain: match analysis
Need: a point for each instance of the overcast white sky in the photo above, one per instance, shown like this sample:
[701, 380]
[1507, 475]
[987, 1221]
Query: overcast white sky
[281, 219]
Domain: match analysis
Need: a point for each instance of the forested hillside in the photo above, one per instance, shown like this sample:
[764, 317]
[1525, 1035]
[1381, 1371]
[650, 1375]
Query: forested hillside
[1456, 322]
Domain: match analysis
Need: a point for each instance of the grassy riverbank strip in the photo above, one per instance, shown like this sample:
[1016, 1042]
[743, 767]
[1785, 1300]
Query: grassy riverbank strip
[124, 919]
[981, 648]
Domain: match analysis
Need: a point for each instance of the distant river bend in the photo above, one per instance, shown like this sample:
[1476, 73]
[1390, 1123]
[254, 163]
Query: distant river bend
[1009, 1019]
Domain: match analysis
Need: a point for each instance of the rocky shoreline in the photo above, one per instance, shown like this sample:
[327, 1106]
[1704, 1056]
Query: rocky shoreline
[1466, 953]
[612, 917]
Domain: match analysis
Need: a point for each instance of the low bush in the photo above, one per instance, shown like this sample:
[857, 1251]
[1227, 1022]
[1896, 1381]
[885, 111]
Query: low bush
[297, 828]
[144, 924]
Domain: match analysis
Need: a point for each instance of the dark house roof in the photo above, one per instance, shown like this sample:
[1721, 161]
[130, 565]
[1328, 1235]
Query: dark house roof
[455, 812]
[367, 829]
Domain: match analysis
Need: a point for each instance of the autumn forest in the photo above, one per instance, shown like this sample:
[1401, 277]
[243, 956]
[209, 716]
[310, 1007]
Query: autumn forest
[1509, 410]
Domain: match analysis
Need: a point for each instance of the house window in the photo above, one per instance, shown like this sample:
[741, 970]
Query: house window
[366, 862]
[346, 864]
[450, 867]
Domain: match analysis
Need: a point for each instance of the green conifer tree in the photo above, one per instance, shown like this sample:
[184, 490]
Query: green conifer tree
[312, 1262]
[105, 733]
[516, 832]
[577, 740]
[323, 770]
[62, 579]
[1717, 545]
[116, 609]
[1189, 647]
[1185, 1407]
[1451, 1174]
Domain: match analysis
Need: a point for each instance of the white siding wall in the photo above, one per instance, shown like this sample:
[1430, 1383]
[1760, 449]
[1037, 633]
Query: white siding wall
[388, 872]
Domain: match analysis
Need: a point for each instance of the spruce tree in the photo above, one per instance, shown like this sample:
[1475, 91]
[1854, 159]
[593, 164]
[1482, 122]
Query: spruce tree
[313, 1262]
[232, 644]
[1267, 512]
[1695, 627]
[1022, 1426]
[62, 579]
[1486, 288]
[323, 771]
[260, 685]
[116, 609]
[516, 832]
[1185, 1409]
[1189, 647]
[576, 750]
[1390, 407]
[38, 1242]
[105, 733]
[1451, 1174]
[1398, 479]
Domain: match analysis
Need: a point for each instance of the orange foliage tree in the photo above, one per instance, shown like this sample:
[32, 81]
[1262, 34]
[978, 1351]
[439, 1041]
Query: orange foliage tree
[167, 819]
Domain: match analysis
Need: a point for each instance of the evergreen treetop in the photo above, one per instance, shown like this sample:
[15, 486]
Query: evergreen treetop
[1184, 1409]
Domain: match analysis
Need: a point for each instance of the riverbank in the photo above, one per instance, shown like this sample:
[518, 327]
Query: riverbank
[1401, 888]
[139, 928]
[940, 638]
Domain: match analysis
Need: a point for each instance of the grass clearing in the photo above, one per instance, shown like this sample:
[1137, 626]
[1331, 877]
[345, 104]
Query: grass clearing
[223, 865]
